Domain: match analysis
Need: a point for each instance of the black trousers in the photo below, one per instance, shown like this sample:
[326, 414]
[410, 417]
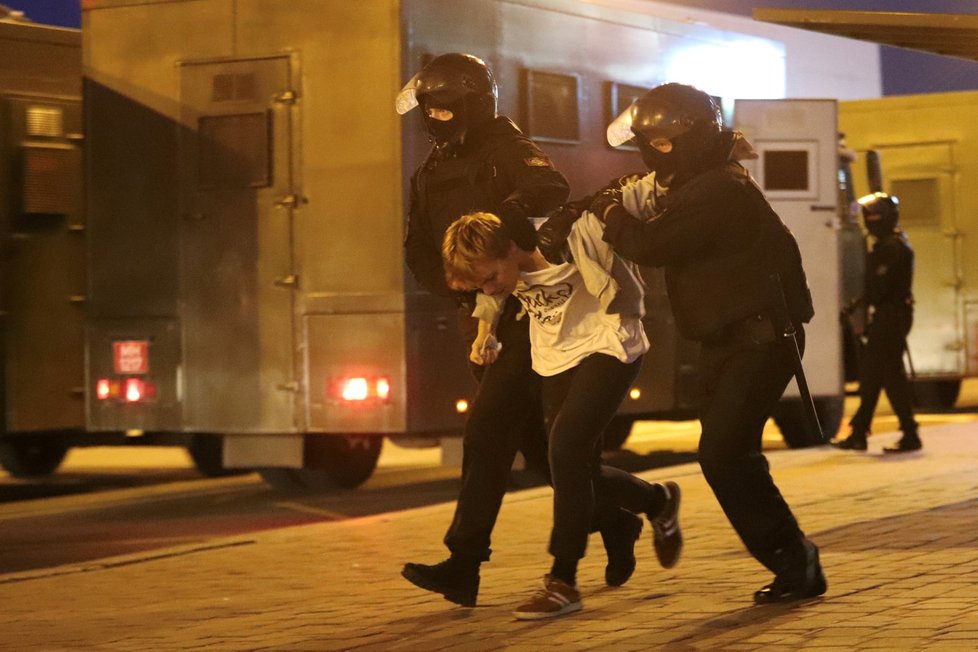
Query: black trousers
[881, 367]
[579, 404]
[743, 377]
[505, 417]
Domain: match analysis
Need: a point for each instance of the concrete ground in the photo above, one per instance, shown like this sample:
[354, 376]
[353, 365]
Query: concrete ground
[898, 535]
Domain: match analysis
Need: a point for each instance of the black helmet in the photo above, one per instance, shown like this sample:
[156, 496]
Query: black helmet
[881, 212]
[682, 114]
[458, 82]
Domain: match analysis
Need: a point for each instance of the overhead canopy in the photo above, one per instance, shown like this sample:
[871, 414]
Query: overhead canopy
[954, 35]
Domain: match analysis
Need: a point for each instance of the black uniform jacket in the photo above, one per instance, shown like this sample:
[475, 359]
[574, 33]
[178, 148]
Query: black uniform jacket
[719, 241]
[889, 271]
[497, 169]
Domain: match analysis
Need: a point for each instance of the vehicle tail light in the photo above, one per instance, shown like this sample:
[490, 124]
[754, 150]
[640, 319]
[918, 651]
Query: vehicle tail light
[134, 390]
[362, 388]
[127, 390]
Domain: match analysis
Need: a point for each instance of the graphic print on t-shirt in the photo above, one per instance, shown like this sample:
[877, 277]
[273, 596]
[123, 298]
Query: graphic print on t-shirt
[543, 302]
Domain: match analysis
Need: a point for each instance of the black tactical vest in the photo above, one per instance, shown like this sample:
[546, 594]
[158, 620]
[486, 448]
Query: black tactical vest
[710, 294]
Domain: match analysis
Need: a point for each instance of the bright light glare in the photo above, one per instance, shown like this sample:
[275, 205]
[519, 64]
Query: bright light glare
[383, 389]
[355, 389]
[102, 389]
[736, 69]
[134, 389]
[635, 393]
[461, 406]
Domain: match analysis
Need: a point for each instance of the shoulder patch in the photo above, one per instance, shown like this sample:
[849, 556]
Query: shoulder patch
[537, 162]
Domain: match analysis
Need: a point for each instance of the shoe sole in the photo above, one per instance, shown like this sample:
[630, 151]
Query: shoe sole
[459, 598]
[609, 579]
[667, 562]
[540, 615]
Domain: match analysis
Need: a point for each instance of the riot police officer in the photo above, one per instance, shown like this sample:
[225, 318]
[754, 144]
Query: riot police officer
[699, 215]
[480, 161]
[888, 297]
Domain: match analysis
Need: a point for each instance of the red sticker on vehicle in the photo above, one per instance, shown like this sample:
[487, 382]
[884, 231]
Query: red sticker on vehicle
[131, 356]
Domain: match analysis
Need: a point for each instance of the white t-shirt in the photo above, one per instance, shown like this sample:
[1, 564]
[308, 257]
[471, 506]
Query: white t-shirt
[567, 323]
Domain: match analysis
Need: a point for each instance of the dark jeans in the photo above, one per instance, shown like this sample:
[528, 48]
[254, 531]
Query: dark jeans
[743, 377]
[882, 368]
[505, 416]
[579, 404]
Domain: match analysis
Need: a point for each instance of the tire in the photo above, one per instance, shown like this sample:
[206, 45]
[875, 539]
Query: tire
[207, 452]
[938, 395]
[617, 432]
[31, 457]
[330, 462]
[790, 420]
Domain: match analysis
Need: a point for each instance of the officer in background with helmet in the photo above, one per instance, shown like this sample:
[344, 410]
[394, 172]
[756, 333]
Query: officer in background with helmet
[480, 161]
[699, 215]
[888, 297]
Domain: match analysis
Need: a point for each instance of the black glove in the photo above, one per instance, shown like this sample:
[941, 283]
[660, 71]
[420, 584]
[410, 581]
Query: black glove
[552, 234]
[603, 200]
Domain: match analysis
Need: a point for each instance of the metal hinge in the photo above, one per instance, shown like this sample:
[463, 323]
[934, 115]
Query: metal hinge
[291, 386]
[77, 298]
[286, 97]
[287, 281]
[289, 201]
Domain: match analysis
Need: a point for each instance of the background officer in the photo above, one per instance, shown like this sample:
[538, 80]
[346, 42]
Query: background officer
[480, 161]
[720, 243]
[888, 297]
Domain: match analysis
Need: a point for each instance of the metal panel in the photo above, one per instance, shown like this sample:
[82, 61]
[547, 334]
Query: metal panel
[356, 345]
[42, 269]
[937, 339]
[162, 412]
[810, 208]
[954, 35]
[237, 278]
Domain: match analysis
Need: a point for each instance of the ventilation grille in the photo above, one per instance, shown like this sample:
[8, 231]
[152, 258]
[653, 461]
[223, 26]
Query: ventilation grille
[45, 121]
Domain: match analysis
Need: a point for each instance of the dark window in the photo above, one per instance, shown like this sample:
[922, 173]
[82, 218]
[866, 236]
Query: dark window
[552, 107]
[786, 170]
[234, 150]
[920, 202]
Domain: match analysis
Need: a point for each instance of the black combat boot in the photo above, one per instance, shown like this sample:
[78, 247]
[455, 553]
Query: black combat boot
[856, 441]
[457, 579]
[908, 443]
[800, 576]
[619, 543]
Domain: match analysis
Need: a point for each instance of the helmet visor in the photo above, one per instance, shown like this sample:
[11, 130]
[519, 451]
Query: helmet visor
[407, 99]
[620, 130]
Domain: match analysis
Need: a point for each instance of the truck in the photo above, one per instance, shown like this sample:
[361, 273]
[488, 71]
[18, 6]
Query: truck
[927, 146]
[42, 245]
[245, 189]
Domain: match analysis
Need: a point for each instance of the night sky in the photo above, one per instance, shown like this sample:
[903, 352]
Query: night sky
[903, 71]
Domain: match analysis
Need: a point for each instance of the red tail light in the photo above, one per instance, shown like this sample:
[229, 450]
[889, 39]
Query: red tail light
[355, 389]
[361, 389]
[126, 390]
[135, 390]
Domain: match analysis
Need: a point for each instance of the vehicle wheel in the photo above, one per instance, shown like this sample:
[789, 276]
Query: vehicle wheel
[617, 432]
[936, 394]
[331, 462]
[28, 457]
[207, 452]
[790, 420]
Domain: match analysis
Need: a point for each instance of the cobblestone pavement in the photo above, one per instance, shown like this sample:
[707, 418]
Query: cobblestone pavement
[898, 538]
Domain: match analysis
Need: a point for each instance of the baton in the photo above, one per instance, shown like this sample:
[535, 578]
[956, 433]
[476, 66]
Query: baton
[783, 323]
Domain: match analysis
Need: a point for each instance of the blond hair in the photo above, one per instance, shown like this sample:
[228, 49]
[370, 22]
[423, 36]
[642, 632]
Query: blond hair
[470, 240]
